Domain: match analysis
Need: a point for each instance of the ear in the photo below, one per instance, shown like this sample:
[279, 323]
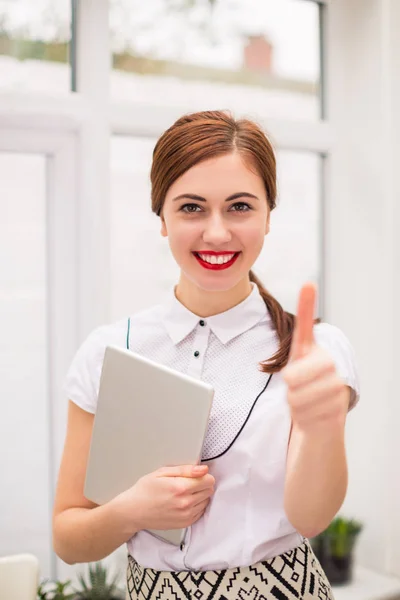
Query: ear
[163, 231]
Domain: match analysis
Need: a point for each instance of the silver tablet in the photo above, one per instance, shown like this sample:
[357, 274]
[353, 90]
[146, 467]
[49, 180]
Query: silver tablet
[148, 416]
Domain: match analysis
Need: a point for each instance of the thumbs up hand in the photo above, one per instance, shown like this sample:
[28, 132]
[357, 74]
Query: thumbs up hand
[315, 391]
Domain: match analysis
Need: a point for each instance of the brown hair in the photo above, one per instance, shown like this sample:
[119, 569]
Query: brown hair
[199, 136]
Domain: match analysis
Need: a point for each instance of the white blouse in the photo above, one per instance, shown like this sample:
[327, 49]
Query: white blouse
[248, 432]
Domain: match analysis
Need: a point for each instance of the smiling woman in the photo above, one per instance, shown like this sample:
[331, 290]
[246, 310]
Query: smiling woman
[246, 509]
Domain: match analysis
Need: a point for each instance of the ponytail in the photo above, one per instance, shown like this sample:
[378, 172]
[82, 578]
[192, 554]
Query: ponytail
[283, 322]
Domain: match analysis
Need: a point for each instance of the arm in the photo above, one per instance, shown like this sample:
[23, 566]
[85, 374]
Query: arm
[318, 399]
[83, 531]
[316, 475]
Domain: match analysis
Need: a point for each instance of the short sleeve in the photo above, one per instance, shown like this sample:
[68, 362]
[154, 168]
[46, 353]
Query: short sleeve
[82, 382]
[337, 344]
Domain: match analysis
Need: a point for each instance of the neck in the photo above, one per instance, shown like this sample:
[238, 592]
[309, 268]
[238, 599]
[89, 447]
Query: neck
[205, 303]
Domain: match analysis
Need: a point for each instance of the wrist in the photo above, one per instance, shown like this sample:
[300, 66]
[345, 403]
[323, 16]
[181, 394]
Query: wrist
[321, 431]
[126, 515]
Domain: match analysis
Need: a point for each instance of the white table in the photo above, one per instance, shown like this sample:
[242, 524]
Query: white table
[368, 585]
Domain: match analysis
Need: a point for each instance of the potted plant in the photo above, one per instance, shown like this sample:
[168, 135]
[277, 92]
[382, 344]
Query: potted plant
[334, 549]
[97, 588]
[54, 590]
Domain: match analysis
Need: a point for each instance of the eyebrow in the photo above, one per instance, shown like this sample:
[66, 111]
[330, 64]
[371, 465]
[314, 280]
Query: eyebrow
[201, 199]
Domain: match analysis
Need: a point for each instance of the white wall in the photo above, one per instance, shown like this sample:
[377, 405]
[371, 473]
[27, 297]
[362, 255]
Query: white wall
[361, 223]
[393, 135]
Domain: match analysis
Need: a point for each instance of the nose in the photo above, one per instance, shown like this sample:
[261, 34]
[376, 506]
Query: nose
[216, 231]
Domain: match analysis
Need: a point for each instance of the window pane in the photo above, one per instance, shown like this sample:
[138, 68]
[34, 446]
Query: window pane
[24, 459]
[34, 45]
[142, 266]
[291, 253]
[260, 56]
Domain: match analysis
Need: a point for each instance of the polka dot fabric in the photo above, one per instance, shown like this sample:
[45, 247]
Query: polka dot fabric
[231, 369]
[237, 381]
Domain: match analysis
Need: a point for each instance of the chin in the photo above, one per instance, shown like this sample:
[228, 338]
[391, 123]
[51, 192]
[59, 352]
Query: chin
[216, 282]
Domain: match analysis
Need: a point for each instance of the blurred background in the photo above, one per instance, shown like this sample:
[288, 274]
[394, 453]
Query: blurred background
[86, 88]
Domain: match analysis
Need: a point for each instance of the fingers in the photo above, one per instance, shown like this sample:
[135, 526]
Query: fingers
[200, 509]
[198, 485]
[327, 387]
[201, 497]
[317, 364]
[184, 485]
[207, 486]
[183, 471]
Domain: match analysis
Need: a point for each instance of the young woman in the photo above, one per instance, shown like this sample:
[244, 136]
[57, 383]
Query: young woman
[273, 469]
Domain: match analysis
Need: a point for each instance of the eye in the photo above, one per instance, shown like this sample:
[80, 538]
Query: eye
[243, 207]
[187, 208]
[237, 207]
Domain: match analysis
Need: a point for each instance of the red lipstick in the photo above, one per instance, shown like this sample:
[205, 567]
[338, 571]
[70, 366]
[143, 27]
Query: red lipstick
[216, 267]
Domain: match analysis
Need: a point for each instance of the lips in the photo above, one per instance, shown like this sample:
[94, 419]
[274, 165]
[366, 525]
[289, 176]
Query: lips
[213, 253]
[215, 267]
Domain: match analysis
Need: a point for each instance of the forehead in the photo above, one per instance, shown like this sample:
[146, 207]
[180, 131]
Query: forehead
[223, 174]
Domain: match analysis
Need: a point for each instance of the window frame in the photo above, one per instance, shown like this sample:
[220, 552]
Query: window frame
[18, 135]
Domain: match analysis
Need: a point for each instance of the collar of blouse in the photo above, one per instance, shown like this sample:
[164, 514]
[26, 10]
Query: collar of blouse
[180, 321]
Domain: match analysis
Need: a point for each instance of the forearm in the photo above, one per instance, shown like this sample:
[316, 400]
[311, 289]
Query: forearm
[316, 478]
[90, 534]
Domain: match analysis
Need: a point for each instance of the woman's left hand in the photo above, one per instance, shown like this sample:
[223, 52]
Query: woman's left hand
[317, 396]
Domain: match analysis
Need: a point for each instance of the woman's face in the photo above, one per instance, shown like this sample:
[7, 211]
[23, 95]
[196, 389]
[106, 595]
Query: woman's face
[216, 212]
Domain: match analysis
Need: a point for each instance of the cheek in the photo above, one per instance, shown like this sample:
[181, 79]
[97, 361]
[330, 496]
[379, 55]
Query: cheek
[253, 235]
[183, 238]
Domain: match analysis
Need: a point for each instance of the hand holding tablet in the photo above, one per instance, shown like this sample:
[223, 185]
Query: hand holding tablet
[149, 417]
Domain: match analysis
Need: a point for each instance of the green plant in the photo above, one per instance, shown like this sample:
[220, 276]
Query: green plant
[54, 590]
[339, 537]
[41, 592]
[97, 588]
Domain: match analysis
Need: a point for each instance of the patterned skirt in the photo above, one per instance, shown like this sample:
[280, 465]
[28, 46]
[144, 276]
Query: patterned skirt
[296, 574]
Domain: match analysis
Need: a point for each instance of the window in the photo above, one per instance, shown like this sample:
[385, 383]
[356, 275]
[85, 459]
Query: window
[141, 268]
[257, 55]
[34, 45]
[292, 250]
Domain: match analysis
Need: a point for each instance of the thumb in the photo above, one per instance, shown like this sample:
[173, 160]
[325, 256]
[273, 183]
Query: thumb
[183, 471]
[303, 336]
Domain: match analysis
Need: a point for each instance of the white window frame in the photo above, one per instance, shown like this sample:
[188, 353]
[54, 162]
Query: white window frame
[19, 136]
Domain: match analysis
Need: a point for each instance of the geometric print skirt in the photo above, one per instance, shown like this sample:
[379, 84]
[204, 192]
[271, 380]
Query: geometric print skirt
[296, 574]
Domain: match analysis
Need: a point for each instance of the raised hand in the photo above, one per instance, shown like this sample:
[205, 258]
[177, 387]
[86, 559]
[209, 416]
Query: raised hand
[317, 396]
